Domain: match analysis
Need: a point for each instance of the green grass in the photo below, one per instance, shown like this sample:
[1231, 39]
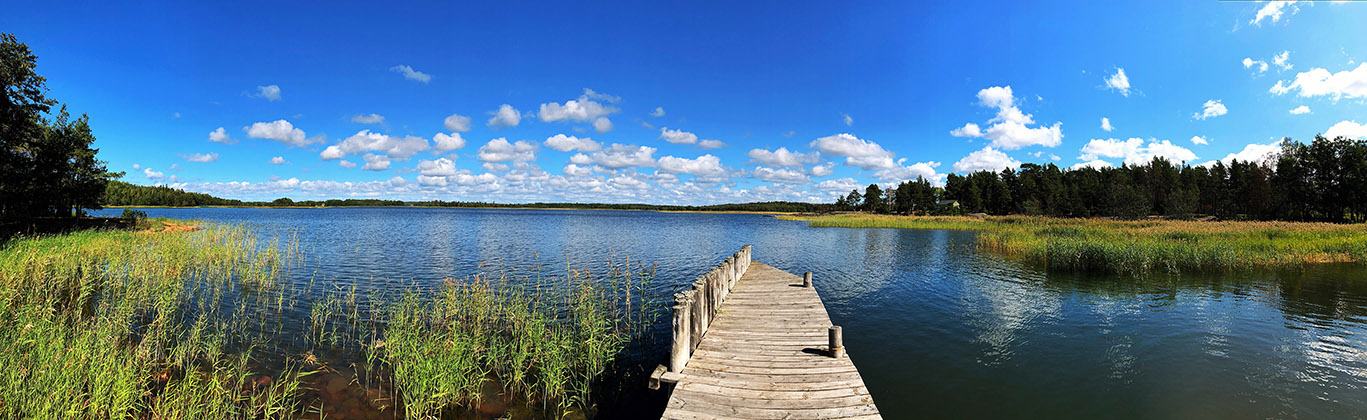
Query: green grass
[1144, 246]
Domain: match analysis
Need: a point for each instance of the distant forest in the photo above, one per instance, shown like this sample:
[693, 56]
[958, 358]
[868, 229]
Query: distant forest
[119, 194]
[1325, 180]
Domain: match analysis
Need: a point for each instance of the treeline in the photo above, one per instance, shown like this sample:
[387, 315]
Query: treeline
[47, 167]
[120, 193]
[767, 206]
[1325, 180]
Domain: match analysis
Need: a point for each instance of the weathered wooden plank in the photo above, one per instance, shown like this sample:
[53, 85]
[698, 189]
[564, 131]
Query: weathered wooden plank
[763, 356]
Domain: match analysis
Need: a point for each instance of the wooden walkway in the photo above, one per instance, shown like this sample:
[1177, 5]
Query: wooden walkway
[765, 356]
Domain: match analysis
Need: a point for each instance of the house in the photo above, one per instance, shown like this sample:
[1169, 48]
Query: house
[947, 203]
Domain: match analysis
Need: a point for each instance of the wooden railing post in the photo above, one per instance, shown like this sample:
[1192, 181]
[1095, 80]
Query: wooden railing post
[837, 342]
[807, 279]
[678, 355]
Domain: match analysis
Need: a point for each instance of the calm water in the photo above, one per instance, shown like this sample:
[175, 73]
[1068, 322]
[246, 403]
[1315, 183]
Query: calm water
[937, 329]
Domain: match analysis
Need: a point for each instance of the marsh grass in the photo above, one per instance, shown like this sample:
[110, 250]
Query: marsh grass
[1143, 246]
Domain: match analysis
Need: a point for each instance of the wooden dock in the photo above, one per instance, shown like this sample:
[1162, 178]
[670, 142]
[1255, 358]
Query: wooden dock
[766, 349]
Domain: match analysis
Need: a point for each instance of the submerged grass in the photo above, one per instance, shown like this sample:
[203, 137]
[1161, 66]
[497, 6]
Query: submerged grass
[1143, 246]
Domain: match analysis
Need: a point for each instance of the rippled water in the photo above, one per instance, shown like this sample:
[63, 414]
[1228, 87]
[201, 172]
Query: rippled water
[937, 329]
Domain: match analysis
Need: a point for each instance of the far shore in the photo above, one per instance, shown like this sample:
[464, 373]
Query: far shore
[456, 207]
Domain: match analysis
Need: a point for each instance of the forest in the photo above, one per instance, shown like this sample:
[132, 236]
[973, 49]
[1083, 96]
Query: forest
[1325, 180]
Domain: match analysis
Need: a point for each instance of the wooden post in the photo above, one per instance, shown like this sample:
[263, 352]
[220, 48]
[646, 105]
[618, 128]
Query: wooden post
[807, 279]
[699, 314]
[678, 355]
[837, 348]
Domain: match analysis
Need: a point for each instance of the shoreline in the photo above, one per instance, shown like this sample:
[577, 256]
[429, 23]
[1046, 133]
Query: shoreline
[467, 208]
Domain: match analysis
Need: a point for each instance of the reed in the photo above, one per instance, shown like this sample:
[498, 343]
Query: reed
[1143, 246]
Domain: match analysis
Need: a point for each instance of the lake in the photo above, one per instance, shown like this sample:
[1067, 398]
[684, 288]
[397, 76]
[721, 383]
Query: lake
[936, 328]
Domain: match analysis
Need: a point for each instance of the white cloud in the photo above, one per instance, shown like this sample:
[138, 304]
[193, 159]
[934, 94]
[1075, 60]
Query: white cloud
[564, 143]
[1094, 164]
[589, 93]
[458, 123]
[857, 152]
[366, 141]
[1010, 127]
[506, 116]
[1249, 63]
[583, 109]
[1300, 110]
[439, 167]
[368, 119]
[705, 166]
[501, 150]
[1106, 124]
[987, 159]
[782, 157]
[781, 175]
[619, 156]
[495, 167]
[576, 170]
[823, 170]
[151, 174]
[1211, 109]
[269, 93]
[1273, 10]
[374, 162]
[346, 164]
[1319, 82]
[708, 144]
[910, 173]
[446, 142]
[200, 157]
[847, 119]
[1119, 81]
[658, 112]
[281, 131]
[678, 136]
[1281, 60]
[137, 166]
[602, 124]
[1256, 153]
[220, 135]
[279, 160]
[1349, 129]
[410, 74]
[1134, 151]
[838, 186]
[1199, 140]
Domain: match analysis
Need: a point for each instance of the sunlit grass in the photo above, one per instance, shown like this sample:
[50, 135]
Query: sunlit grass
[1135, 247]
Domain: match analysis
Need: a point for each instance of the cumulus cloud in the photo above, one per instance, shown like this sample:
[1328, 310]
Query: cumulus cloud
[281, 131]
[602, 124]
[1349, 129]
[1135, 151]
[1119, 81]
[368, 119]
[708, 144]
[857, 152]
[1199, 140]
[911, 172]
[1273, 11]
[782, 157]
[1094, 164]
[269, 93]
[658, 112]
[410, 74]
[1319, 82]
[439, 167]
[822, 170]
[365, 141]
[1211, 109]
[374, 162]
[705, 166]
[584, 109]
[200, 157]
[1281, 60]
[576, 170]
[501, 150]
[1259, 64]
[678, 136]
[618, 156]
[346, 164]
[1106, 124]
[220, 135]
[1009, 129]
[151, 174]
[458, 123]
[1257, 153]
[279, 160]
[447, 142]
[781, 175]
[1300, 110]
[987, 159]
[506, 116]
[564, 143]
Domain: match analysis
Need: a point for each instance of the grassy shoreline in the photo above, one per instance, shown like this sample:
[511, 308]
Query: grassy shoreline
[1139, 247]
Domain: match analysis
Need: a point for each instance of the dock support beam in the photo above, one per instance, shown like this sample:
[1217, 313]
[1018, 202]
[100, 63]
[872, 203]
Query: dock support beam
[807, 279]
[837, 342]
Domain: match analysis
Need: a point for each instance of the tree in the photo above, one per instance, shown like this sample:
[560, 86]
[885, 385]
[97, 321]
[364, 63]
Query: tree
[46, 168]
[873, 199]
[854, 200]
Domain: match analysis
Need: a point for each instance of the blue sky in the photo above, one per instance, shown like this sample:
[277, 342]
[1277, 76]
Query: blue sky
[683, 103]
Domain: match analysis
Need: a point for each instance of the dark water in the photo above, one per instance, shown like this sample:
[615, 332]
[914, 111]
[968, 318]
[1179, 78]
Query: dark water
[937, 329]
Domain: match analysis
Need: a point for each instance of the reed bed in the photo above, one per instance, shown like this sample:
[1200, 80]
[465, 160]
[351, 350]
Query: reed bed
[1143, 246]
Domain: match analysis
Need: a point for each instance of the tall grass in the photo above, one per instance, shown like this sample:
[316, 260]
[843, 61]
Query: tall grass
[1144, 246]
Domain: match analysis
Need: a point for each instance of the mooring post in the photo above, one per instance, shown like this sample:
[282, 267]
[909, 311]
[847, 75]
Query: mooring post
[837, 342]
[807, 279]
[697, 320]
[678, 356]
